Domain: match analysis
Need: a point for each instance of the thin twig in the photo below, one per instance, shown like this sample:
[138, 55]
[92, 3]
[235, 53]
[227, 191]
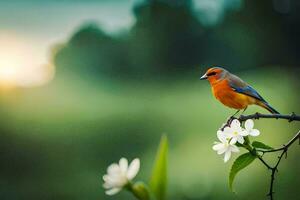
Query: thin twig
[264, 162]
[290, 118]
[296, 137]
[274, 169]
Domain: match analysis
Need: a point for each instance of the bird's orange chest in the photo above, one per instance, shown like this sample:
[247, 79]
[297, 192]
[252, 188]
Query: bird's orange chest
[226, 95]
[222, 90]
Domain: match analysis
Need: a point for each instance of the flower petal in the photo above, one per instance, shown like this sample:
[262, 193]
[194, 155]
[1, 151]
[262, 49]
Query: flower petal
[241, 140]
[234, 148]
[249, 124]
[227, 130]
[113, 168]
[227, 156]
[105, 178]
[123, 163]
[244, 133]
[221, 136]
[218, 146]
[221, 151]
[107, 186]
[233, 140]
[133, 169]
[113, 191]
[117, 180]
[254, 132]
[235, 124]
[239, 129]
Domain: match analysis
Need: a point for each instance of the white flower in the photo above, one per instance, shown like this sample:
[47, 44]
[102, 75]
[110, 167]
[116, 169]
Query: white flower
[249, 124]
[225, 146]
[119, 175]
[235, 132]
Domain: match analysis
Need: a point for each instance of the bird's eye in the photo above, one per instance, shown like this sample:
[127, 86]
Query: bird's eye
[211, 73]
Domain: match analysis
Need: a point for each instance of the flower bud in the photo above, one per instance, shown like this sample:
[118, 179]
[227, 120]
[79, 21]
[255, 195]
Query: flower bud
[141, 191]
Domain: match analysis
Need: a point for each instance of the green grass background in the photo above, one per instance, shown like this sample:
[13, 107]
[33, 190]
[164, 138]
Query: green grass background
[58, 140]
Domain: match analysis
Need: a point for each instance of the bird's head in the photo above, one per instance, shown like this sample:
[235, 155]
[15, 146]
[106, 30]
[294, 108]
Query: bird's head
[214, 74]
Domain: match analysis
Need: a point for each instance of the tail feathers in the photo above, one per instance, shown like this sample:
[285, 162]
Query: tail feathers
[269, 108]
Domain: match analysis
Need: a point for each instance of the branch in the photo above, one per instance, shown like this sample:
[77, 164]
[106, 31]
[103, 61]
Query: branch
[242, 118]
[290, 118]
[263, 161]
[285, 146]
[274, 169]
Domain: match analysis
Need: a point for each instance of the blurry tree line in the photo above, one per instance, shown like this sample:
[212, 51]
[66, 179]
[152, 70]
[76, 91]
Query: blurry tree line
[168, 40]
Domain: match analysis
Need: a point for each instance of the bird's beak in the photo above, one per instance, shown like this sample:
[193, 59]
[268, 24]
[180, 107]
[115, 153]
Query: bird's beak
[203, 77]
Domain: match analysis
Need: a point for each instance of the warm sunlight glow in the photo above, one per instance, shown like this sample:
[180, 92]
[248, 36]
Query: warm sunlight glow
[21, 65]
[8, 75]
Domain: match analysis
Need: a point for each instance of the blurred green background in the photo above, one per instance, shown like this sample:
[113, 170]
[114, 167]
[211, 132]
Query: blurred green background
[118, 74]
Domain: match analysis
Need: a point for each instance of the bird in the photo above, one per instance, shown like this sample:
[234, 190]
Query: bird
[233, 92]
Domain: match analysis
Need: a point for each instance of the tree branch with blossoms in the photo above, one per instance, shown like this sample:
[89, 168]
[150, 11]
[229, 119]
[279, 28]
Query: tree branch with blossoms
[232, 135]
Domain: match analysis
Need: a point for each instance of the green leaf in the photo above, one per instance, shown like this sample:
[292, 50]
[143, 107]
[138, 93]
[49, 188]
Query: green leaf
[158, 180]
[261, 145]
[240, 163]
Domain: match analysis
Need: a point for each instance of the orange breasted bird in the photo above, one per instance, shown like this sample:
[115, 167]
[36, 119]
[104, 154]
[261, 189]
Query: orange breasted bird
[232, 91]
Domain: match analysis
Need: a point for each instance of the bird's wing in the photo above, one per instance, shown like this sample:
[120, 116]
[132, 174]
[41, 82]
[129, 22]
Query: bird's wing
[241, 87]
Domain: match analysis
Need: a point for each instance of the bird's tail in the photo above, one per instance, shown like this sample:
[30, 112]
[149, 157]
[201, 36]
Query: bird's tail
[268, 107]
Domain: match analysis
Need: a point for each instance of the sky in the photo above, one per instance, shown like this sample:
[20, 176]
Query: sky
[58, 18]
[29, 28]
